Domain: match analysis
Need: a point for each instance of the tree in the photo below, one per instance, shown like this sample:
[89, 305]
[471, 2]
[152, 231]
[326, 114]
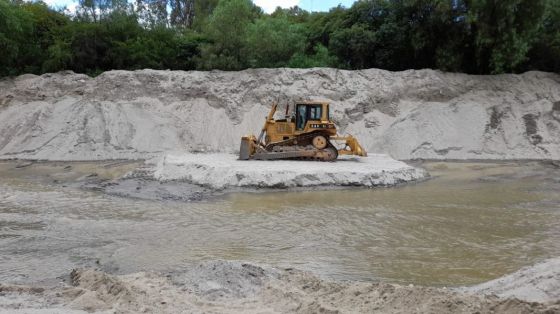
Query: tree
[152, 13]
[88, 10]
[355, 46]
[473, 36]
[227, 31]
[319, 58]
[503, 31]
[15, 25]
[374, 33]
[27, 30]
[272, 41]
[59, 56]
[203, 9]
[182, 13]
[321, 26]
[545, 53]
[294, 14]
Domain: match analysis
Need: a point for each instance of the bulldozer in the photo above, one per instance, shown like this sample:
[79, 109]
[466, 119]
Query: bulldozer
[305, 133]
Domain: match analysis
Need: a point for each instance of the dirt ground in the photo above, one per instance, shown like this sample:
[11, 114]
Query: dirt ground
[235, 287]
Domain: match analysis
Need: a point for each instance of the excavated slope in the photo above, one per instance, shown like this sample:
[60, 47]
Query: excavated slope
[410, 114]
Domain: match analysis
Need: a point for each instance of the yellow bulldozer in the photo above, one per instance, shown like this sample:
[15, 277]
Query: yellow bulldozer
[305, 133]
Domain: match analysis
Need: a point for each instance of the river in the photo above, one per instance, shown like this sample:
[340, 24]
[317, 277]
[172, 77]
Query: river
[471, 222]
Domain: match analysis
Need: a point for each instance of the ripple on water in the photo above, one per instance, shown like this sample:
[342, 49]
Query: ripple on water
[454, 229]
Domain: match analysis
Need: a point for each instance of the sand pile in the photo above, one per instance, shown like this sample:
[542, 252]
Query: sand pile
[220, 171]
[235, 287]
[410, 114]
[538, 283]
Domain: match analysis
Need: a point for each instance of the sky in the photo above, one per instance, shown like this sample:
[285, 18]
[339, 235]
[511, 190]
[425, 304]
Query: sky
[267, 5]
[309, 5]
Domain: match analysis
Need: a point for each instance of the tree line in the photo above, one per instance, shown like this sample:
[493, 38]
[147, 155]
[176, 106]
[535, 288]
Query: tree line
[471, 36]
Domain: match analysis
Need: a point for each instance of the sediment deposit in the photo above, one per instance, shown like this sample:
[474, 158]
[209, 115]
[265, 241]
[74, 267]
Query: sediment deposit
[538, 283]
[221, 171]
[237, 287]
[410, 114]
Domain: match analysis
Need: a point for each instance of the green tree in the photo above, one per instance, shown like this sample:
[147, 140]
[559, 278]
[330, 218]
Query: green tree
[272, 41]
[473, 36]
[203, 9]
[59, 56]
[545, 53]
[319, 58]
[374, 33]
[15, 25]
[503, 32]
[27, 30]
[227, 31]
[294, 14]
[320, 26]
[354, 46]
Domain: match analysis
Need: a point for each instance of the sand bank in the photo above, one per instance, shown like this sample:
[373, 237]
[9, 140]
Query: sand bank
[237, 287]
[220, 171]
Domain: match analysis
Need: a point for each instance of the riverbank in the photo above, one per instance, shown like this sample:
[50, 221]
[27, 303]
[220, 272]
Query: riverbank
[238, 287]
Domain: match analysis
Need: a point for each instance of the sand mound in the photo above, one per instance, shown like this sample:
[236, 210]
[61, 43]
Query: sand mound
[219, 171]
[410, 114]
[538, 283]
[235, 287]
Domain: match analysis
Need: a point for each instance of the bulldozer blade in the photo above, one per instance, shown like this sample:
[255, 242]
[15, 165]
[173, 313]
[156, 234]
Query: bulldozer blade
[245, 149]
[352, 146]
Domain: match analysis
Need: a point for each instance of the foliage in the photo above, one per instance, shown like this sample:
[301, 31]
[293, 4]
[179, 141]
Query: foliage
[227, 31]
[472, 36]
[320, 58]
[504, 31]
[545, 53]
[271, 42]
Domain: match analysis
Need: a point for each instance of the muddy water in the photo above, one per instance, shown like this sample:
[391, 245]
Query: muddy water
[470, 223]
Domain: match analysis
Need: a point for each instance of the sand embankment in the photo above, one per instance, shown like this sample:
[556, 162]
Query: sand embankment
[410, 114]
[235, 287]
[538, 283]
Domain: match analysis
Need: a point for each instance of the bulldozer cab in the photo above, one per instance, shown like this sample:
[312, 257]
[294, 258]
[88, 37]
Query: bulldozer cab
[310, 112]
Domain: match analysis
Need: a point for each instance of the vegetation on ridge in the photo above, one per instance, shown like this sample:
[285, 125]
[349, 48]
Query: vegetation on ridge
[472, 36]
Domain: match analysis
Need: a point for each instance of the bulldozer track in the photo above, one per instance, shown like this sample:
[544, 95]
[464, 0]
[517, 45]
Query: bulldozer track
[295, 150]
[293, 141]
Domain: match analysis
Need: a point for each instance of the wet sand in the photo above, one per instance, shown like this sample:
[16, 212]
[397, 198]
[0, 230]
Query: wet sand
[236, 287]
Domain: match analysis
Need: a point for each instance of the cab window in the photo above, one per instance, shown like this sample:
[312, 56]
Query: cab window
[315, 112]
[305, 113]
[301, 118]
